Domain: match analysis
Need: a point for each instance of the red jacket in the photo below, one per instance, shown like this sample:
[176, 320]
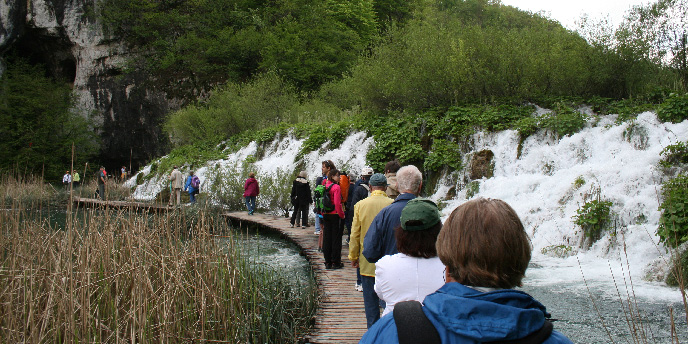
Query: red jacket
[336, 197]
[251, 187]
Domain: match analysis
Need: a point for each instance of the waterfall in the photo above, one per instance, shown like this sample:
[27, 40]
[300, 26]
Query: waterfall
[546, 184]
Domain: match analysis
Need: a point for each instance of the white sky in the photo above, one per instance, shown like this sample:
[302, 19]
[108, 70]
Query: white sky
[569, 11]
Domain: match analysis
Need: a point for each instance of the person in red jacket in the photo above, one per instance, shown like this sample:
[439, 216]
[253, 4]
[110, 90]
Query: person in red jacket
[332, 231]
[250, 192]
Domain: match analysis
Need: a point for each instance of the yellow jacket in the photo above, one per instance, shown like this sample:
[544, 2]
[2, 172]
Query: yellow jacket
[364, 213]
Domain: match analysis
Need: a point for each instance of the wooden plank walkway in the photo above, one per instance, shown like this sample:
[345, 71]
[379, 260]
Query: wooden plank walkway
[340, 317]
[97, 203]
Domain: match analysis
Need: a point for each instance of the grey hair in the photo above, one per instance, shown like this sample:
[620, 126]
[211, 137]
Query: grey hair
[409, 179]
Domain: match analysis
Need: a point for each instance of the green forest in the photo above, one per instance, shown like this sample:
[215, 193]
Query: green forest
[248, 66]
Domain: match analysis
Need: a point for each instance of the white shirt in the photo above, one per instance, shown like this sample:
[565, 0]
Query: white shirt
[403, 278]
[67, 178]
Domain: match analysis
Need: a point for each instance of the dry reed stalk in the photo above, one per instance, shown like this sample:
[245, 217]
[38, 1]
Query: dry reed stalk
[120, 277]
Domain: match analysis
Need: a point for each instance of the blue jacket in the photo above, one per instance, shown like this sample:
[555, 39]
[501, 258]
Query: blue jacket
[465, 315]
[379, 240]
[187, 185]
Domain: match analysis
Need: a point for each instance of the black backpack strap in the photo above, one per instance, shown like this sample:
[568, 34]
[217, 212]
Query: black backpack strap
[536, 337]
[412, 324]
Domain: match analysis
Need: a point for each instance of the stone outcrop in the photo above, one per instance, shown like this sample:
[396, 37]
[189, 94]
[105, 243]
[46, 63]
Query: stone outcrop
[481, 165]
[67, 37]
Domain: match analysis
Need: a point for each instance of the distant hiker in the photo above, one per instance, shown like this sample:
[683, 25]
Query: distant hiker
[326, 166]
[251, 190]
[123, 175]
[193, 186]
[478, 303]
[364, 213]
[380, 240]
[176, 179]
[416, 271]
[332, 213]
[391, 169]
[361, 189]
[66, 180]
[101, 177]
[301, 199]
[76, 179]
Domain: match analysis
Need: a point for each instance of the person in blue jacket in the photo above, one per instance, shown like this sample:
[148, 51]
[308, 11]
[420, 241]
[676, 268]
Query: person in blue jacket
[380, 241]
[486, 252]
[193, 186]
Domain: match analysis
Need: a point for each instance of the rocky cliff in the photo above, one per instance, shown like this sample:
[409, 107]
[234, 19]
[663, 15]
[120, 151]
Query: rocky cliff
[67, 37]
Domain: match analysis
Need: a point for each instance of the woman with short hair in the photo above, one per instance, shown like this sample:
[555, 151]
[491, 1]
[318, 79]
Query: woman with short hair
[415, 271]
[486, 251]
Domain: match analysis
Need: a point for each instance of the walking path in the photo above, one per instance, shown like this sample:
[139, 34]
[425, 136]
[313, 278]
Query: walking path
[97, 203]
[340, 317]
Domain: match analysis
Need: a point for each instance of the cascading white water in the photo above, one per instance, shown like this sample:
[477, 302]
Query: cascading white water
[618, 160]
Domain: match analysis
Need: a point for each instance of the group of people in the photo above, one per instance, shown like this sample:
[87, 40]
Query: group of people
[434, 282]
[71, 179]
[190, 184]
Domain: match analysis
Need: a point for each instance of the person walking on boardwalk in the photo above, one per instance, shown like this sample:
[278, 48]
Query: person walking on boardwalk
[193, 186]
[364, 213]
[380, 240]
[176, 180]
[67, 180]
[301, 199]
[102, 180]
[332, 233]
[251, 190]
[416, 271]
[76, 178]
[477, 304]
[391, 169]
[326, 166]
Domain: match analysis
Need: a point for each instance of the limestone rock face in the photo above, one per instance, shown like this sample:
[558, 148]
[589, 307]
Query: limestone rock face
[481, 165]
[67, 37]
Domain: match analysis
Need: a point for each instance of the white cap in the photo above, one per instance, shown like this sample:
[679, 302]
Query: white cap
[367, 171]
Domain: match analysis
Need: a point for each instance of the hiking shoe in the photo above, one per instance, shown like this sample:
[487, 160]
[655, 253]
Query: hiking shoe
[303, 227]
[358, 287]
[291, 225]
[316, 232]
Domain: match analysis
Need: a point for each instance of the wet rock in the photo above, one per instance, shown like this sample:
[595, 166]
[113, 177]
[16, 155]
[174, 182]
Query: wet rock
[482, 165]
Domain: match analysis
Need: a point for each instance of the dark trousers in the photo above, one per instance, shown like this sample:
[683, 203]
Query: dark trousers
[332, 239]
[300, 210]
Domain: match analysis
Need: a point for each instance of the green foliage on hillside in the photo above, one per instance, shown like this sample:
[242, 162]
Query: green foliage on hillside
[674, 109]
[673, 223]
[190, 46]
[38, 125]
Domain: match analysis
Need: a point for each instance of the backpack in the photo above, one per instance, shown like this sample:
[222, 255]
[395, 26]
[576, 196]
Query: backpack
[413, 326]
[322, 200]
[195, 182]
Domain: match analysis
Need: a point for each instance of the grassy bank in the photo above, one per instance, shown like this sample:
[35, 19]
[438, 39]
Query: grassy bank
[119, 276]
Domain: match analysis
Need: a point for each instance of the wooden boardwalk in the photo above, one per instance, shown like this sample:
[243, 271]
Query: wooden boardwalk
[340, 317]
[96, 203]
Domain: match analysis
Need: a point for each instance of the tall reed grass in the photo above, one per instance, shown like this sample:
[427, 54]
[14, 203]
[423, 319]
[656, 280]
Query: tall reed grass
[123, 277]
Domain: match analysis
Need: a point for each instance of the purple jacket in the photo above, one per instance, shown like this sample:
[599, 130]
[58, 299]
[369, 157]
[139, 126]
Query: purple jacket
[251, 187]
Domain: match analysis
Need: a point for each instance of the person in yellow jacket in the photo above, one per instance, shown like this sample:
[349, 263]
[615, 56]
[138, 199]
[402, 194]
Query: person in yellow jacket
[364, 213]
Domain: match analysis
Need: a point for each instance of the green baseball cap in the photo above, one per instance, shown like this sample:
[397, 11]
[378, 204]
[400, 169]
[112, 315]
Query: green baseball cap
[378, 179]
[423, 213]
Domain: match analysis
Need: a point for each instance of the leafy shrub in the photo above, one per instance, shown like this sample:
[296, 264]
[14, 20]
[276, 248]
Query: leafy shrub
[678, 276]
[593, 217]
[673, 223]
[674, 109]
[674, 155]
[564, 122]
[580, 181]
[443, 153]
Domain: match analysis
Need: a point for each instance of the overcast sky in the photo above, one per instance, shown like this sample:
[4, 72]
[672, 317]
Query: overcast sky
[569, 11]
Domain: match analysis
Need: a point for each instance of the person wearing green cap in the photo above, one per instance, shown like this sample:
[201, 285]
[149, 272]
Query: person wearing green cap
[364, 213]
[415, 271]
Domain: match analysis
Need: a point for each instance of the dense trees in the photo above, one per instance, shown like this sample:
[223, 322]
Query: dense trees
[37, 124]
